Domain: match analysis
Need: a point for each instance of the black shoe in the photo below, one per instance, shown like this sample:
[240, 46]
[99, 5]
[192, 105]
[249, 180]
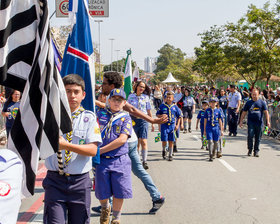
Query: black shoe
[211, 159]
[157, 205]
[175, 148]
[234, 135]
[145, 165]
[96, 209]
[170, 158]
[190, 130]
[163, 154]
[207, 149]
[229, 134]
[256, 154]
[249, 153]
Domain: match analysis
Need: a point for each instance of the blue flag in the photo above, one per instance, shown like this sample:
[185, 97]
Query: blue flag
[79, 56]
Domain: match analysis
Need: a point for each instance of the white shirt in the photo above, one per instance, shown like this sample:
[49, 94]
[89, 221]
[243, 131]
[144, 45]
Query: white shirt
[11, 174]
[233, 99]
[85, 130]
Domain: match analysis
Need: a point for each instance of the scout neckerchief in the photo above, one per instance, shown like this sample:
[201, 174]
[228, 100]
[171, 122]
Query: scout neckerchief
[213, 117]
[139, 103]
[107, 130]
[68, 154]
[169, 111]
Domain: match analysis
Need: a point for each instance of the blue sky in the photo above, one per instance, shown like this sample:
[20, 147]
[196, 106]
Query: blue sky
[146, 25]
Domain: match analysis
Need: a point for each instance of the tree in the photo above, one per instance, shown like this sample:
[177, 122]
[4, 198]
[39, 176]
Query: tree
[169, 55]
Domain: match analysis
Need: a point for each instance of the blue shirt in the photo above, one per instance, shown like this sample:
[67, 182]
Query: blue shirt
[233, 99]
[188, 101]
[255, 111]
[141, 102]
[85, 130]
[223, 101]
[200, 116]
[177, 97]
[172, 111]
[121, 125]
[13, 109]
[212, 119]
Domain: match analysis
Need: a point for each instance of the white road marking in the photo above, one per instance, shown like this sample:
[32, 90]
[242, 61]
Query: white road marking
[38, 218]
[196, 138]
[253, 199]
[229, 167]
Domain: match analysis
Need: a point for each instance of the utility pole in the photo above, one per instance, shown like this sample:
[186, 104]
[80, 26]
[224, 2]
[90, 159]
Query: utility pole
[99, 21]
[111, 39]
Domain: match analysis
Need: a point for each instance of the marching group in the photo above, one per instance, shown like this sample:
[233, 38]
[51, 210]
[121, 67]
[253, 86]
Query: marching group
[111, 140]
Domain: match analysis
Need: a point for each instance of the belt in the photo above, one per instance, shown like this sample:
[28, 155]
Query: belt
[65, 174]
[111, 157]
[232, 108]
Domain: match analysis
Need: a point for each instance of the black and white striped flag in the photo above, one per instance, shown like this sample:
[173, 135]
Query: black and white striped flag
[27, 62]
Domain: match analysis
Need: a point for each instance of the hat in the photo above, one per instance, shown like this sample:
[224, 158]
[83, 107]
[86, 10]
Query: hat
[205, 101]
[213, 99]
[117, 92]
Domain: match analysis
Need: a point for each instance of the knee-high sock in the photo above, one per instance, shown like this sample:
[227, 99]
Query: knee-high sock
[144, 155]
[170, 151]
[210, 147]
[185, 125]
[215, 146]
[190, 125]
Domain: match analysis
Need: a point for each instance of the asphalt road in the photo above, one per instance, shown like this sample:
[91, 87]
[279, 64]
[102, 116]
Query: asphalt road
[233, 189]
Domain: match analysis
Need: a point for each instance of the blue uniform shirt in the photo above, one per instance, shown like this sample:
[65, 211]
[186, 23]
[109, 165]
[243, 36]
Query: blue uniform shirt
[141, 102]
[172, 111]
[255, 111]
[121, 125]
[85, 130]
[13, 109]
[212, 119]
[233, 99]
[200, 116]
[188, 101]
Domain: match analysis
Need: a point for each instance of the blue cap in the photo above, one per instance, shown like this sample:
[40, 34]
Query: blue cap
[213, 99]
[117, 92]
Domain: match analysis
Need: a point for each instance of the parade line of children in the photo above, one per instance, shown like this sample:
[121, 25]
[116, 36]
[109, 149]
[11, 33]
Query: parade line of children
[67, 196]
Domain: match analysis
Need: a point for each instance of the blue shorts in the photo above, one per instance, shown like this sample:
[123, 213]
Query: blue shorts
[141, 128]
[213, 133]
[167, 132]
[113, 178]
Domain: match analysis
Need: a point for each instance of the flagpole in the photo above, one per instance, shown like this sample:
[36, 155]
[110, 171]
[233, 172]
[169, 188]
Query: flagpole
[99, 21]
[111, 39]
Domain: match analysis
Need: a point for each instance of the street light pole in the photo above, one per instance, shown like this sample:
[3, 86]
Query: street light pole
[111, 39]
[99, 21]
[117, 59]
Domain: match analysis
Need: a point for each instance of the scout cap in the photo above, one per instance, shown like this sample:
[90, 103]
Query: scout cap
[205, 101]
[117, 92]
[213, 99]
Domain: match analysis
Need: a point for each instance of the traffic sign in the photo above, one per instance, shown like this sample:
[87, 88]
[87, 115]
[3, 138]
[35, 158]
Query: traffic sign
[97, 8]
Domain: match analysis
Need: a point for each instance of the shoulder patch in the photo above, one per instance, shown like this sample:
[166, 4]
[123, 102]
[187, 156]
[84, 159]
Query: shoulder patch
[5, 189]
[122, 119]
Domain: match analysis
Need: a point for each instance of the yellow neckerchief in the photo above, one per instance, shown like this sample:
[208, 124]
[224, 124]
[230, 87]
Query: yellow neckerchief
[109, 125]
[169, 110]
[69, 136]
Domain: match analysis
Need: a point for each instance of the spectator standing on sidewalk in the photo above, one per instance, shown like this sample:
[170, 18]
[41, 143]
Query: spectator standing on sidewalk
[255, 109]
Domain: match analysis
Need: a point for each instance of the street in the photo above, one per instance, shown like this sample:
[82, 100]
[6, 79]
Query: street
[233, 189]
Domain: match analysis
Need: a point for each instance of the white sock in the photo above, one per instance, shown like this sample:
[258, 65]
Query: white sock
[144, 155]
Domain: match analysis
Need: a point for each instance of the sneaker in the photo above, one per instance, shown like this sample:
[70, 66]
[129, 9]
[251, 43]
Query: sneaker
[145, 165]
[256, 154]
[214, 155]
[219, 155]
[105, 215]
[170, 158]
[235, 135]
[185, 131]
[229, 134]
[210, 159]
[190, 130]
[116, 222]
[157, 205]
[249, 153]
[96, 209]
[175, 148]
[163, 155]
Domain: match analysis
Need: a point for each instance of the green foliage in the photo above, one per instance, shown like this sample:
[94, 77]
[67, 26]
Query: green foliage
[169, 55]
[248, 49]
